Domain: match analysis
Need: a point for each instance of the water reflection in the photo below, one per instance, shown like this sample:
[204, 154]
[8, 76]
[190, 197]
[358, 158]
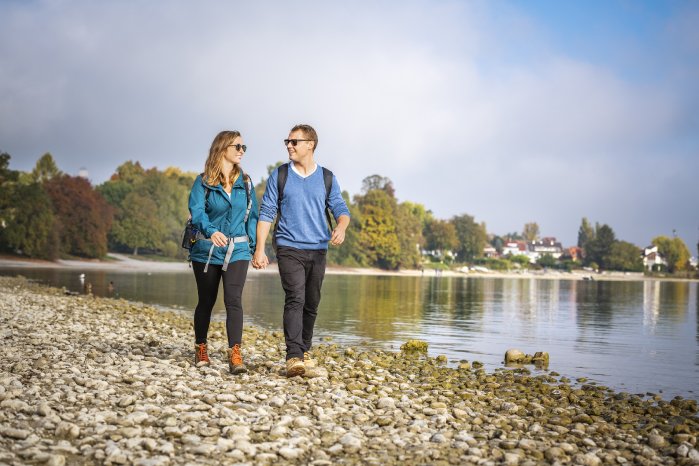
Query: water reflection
[636, 336]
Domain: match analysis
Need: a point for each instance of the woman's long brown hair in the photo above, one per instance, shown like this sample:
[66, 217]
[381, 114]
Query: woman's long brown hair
[213, 169]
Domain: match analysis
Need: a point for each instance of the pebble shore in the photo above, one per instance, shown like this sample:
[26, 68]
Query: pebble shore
[89, 380]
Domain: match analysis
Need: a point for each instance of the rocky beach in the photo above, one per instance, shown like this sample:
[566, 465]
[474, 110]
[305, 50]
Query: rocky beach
[89, 380]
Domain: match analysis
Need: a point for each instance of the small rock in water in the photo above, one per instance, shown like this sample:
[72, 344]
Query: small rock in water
[418, 346]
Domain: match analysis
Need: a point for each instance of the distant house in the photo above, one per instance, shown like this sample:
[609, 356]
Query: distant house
[490, 252]
[549, 246]
[573, 253]
[514, 248]
[652, 259]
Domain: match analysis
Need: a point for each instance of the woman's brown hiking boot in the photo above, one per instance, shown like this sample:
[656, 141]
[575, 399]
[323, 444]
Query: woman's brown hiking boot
[201, 356]
[235, 361]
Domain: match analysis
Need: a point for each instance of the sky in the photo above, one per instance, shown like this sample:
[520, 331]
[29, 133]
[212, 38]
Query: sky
[511, 112]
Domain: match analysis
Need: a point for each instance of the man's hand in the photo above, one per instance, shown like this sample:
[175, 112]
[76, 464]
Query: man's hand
[259, 259]
[338, 236]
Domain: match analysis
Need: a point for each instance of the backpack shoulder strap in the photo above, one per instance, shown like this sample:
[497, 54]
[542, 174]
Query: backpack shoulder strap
[282, 175]
[206, 189]
[248, 193]
[328, 180]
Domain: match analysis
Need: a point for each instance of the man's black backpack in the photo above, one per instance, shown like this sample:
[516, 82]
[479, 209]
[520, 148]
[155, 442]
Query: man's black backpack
[282, 175]
[191, 234]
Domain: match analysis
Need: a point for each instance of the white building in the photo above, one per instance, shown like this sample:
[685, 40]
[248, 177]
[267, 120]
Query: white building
[652, 258]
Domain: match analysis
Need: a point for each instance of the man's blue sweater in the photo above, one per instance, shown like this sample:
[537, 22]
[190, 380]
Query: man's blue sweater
[302, 223]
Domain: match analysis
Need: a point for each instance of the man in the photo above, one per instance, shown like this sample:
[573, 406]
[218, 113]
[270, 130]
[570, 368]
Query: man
[301, 236]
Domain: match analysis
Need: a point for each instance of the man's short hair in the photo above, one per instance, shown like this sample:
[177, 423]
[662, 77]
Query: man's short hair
[308, 133]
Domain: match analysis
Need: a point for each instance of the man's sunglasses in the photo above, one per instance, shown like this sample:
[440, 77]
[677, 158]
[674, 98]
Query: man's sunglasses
[239, 147]
[294, 141]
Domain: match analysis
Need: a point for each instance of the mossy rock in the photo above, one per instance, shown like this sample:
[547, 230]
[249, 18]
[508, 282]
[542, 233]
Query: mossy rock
[418, 346]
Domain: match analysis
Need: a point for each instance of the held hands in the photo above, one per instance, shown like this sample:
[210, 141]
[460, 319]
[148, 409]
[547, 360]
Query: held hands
[259, 259]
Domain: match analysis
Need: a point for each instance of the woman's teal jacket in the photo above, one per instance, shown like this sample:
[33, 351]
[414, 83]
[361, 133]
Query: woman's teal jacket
[224, 214]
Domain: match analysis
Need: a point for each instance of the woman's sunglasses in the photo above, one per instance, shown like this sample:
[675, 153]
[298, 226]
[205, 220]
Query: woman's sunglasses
[239, 147]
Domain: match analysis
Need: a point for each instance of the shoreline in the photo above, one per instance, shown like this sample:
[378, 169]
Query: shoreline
[125, 263]
[117, 385]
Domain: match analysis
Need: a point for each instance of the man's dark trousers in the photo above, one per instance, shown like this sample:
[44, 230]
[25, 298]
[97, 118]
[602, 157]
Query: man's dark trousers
[302, 272]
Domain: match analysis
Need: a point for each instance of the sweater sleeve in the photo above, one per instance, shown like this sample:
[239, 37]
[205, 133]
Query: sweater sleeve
[252, 220]
[197, 208]
[337, 204]
[268, 209]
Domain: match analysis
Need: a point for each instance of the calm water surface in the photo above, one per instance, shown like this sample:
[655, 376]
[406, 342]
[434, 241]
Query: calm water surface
[633, 336]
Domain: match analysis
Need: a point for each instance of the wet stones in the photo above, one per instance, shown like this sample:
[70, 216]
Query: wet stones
[129, 394]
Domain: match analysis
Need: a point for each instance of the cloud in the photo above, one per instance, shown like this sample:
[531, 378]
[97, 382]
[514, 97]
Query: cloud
[467, 107]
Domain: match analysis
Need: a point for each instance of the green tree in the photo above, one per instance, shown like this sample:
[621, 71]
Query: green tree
[625, 256]
[674, 251]
[513, 236]
[440, 235]
[409, 224]
[45, 169]
[530, 232]
[497, 242]
[137, 226]
[28, 221]
[472, 237]
[547, 261]
[168, 193]
[600, 248]
[520, 259]
[6, 175]
[378, 182]
[349, 253]
[8, 179]
[378, 237]
[585, 234]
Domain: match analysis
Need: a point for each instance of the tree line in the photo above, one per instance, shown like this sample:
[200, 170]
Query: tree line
[48, 214]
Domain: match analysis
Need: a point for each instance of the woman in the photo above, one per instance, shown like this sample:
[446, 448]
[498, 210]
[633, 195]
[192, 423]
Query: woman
[225, 213]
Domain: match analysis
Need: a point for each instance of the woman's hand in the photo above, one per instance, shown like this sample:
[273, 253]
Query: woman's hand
[219, 239]
[259, 259]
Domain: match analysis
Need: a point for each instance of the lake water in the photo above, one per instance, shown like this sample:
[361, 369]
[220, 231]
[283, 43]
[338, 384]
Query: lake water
[637, 337]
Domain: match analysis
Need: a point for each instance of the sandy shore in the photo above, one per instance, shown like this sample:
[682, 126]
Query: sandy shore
[126, 263]
[100, 381]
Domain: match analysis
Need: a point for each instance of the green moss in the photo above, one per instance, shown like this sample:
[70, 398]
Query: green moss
[414, 346]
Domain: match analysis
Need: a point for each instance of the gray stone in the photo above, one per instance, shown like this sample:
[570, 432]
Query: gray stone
[276, 401]
[527, 444]
[15, 405]
[554, 453]
[289, 453]
[67, 430]
[19, 434]
[56, 460]
[656, 441]
[350, 443]
[386, 403]
[44, 409]
[204, 449]
[302, 421]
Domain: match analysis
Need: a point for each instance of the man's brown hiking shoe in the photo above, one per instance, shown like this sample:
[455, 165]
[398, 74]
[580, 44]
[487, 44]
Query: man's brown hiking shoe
[235, 361]
[201, 356]
[308, 361]
[294, 367]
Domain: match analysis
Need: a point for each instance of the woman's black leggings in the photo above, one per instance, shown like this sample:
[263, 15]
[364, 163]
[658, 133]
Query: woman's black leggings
[207, 288]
